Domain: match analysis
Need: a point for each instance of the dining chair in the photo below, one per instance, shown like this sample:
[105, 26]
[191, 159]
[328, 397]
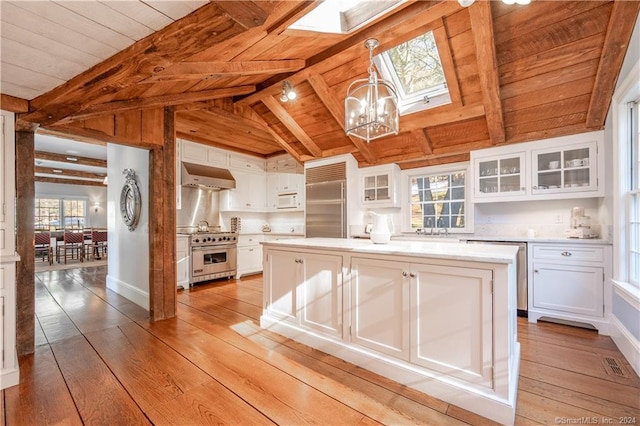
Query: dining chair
[98, 244]
[72, 243]
[43, 246]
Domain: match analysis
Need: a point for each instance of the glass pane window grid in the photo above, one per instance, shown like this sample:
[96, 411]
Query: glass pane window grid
[415, 69]
[51, 214]
[633, 198]
[438, 201]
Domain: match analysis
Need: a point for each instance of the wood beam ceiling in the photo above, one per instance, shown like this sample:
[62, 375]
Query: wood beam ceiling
[70, 159]
[68, 181]
[482, 29]
[336, 108]
[67, 172]
[205, 27]
[13, 104]
[204, 70]
[619, 30]
[288, 121]
[157, 101]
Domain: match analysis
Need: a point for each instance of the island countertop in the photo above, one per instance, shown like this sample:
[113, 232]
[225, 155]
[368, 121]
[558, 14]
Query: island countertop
[451, 251]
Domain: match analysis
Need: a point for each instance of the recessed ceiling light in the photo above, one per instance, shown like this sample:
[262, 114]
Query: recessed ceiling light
[72, 159]
[57, 171]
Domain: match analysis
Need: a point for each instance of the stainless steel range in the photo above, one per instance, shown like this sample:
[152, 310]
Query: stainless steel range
[213, 255]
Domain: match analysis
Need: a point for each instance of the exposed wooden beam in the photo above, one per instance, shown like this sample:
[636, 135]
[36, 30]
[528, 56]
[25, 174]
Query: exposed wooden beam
[246, 125]
[64, 158]
[623, 18]
[440, 116]
[422, 141]
[289, 15]
[205, 27]
[446, 159]
[157, 101]
[249, 14]
[448, 66]
[13, 104]
[482, 29]
[68, 181]
[336, 109]
[204, 70]
[284, 144]
[59, 134]
[413, 14]
[281, 114]
[67, 172]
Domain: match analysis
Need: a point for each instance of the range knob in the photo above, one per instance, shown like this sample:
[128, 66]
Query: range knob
[219, 238]
[197, 240]
[233, 238]
[209, 239]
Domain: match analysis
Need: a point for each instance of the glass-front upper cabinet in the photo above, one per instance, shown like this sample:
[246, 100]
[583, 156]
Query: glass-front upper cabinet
[568, 169]
[500, 176]
[379, 185]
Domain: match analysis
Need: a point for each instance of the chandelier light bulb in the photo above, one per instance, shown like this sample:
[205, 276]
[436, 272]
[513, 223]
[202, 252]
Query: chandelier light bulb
[466, 3]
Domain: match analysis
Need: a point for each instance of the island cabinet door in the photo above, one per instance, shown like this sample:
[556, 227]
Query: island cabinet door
[282, 278]
[380, 306]
[451, 321]
[320, 293]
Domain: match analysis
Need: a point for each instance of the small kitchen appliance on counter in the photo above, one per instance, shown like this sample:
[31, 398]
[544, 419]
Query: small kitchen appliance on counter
[580, 225]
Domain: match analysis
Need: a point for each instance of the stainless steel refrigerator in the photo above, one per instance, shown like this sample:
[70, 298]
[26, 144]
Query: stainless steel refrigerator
[326, 207]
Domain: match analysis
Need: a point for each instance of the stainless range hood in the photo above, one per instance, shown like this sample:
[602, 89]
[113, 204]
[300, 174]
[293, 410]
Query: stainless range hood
[206, 176]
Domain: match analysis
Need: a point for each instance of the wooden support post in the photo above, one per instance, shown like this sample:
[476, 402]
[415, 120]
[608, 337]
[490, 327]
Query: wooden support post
[25, 269]
[162, 223]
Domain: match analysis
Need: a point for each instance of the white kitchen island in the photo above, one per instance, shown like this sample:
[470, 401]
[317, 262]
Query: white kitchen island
[437, 317]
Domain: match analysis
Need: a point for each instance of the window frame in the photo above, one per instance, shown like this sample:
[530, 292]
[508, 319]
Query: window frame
[62, 217]
[632, 198]
[444, 169]
[627, 91]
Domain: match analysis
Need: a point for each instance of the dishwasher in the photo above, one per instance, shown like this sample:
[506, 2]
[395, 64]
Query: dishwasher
[521, 272]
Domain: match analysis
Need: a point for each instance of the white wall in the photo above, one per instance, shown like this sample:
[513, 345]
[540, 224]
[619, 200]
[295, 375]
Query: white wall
[549, 218]
[92, 194]
[128, 256]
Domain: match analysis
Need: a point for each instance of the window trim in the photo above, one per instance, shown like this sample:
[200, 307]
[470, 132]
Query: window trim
[627, 91]
[406, 176]
[61, 199]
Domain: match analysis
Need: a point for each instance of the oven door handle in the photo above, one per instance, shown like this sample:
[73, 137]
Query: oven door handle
[209, 248]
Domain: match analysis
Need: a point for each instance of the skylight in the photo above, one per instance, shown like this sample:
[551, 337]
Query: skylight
[415, 69]
[342, 16]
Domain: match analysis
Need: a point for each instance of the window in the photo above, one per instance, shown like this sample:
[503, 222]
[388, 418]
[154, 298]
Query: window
[438, 200]
[57, 213]
[416, 71]
[633, 196]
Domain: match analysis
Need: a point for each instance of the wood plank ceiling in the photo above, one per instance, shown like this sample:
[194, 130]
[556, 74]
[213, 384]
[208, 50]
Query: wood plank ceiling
[515, 74]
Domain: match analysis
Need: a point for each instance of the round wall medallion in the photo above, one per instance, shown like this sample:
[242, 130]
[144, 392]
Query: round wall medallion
[130, 201]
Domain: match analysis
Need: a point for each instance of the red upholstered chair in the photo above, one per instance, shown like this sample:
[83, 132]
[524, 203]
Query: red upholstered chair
[43, 246]
[72, 244]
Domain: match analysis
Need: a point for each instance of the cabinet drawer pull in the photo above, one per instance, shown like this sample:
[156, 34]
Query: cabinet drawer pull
[566, 253]
[536, 271]
[412, 275]
[404, 273]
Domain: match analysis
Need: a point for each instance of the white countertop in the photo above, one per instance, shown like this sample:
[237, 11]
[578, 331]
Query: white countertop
[450, 251]
[498, 238]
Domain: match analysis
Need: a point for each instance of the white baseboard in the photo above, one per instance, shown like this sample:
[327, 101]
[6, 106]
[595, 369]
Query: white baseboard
[626, 342]
[128, 291]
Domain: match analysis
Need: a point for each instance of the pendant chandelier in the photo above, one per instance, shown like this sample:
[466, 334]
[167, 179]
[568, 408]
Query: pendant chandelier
[371, 105]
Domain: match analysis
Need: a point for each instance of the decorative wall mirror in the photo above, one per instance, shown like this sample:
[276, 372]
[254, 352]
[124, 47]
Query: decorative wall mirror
[130, 200]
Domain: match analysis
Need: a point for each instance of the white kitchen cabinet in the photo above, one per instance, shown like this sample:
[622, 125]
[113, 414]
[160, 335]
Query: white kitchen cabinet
[567, 281]
[182, 261]
[380, 186]
[249, 254]
[289, 186]
[284, 164]
[398, 309]
[461, 344]
[380, 306]
[305, 288]
[246, 162]
[557, 168]
[564, 169]
[202, 154]
[500, 176]
[248, 195]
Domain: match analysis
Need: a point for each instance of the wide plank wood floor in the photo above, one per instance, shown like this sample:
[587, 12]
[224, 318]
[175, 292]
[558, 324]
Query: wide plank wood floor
[99, 360]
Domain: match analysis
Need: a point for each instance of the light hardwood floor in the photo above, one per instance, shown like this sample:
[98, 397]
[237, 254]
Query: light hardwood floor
[99, 360]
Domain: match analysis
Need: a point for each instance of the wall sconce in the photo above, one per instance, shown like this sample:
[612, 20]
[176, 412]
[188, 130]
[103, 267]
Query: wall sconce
[96, 205]
[288, 94]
